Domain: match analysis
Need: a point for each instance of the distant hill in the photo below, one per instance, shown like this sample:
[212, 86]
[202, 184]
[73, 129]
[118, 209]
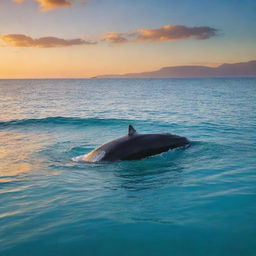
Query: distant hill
[242, 69]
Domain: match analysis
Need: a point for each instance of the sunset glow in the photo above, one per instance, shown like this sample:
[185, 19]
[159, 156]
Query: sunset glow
[64, 38]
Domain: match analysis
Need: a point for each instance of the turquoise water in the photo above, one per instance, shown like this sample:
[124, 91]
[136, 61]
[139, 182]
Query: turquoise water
[195, 201]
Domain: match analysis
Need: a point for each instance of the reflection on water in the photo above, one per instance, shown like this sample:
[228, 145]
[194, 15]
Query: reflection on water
[150, 173]
[17, 151]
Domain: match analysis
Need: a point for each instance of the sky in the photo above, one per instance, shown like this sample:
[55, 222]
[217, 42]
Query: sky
[86, 38]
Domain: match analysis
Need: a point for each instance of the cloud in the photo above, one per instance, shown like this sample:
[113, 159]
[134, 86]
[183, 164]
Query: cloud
[175, 32]
[116, 38]
[165, 33]
[19, 40]
[48, 5]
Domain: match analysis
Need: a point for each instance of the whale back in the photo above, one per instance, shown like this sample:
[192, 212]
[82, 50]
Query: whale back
[134, 146]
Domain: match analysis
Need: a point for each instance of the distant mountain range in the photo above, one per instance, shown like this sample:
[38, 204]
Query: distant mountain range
[242, 69]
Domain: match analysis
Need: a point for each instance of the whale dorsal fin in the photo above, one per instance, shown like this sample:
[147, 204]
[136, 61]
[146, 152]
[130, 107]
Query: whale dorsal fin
[131, 130]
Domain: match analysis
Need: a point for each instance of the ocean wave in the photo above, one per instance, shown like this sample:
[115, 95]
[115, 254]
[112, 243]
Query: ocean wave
[77, 121]
[59, 120]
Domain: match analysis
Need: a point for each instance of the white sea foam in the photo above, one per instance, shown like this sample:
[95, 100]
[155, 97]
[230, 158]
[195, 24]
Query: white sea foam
[94, 156]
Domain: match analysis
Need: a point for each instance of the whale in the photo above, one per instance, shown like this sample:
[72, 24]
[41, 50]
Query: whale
[134, 146]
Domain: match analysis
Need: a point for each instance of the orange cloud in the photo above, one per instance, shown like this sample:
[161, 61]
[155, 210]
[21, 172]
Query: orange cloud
[48, 5]
[19, 40]
[175, 32]
[165, 33]
[116, 38]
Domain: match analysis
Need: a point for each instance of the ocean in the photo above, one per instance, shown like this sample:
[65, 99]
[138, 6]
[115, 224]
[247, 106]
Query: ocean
[195, 201]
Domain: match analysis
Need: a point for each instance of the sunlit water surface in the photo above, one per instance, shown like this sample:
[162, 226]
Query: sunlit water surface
[195, 201]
